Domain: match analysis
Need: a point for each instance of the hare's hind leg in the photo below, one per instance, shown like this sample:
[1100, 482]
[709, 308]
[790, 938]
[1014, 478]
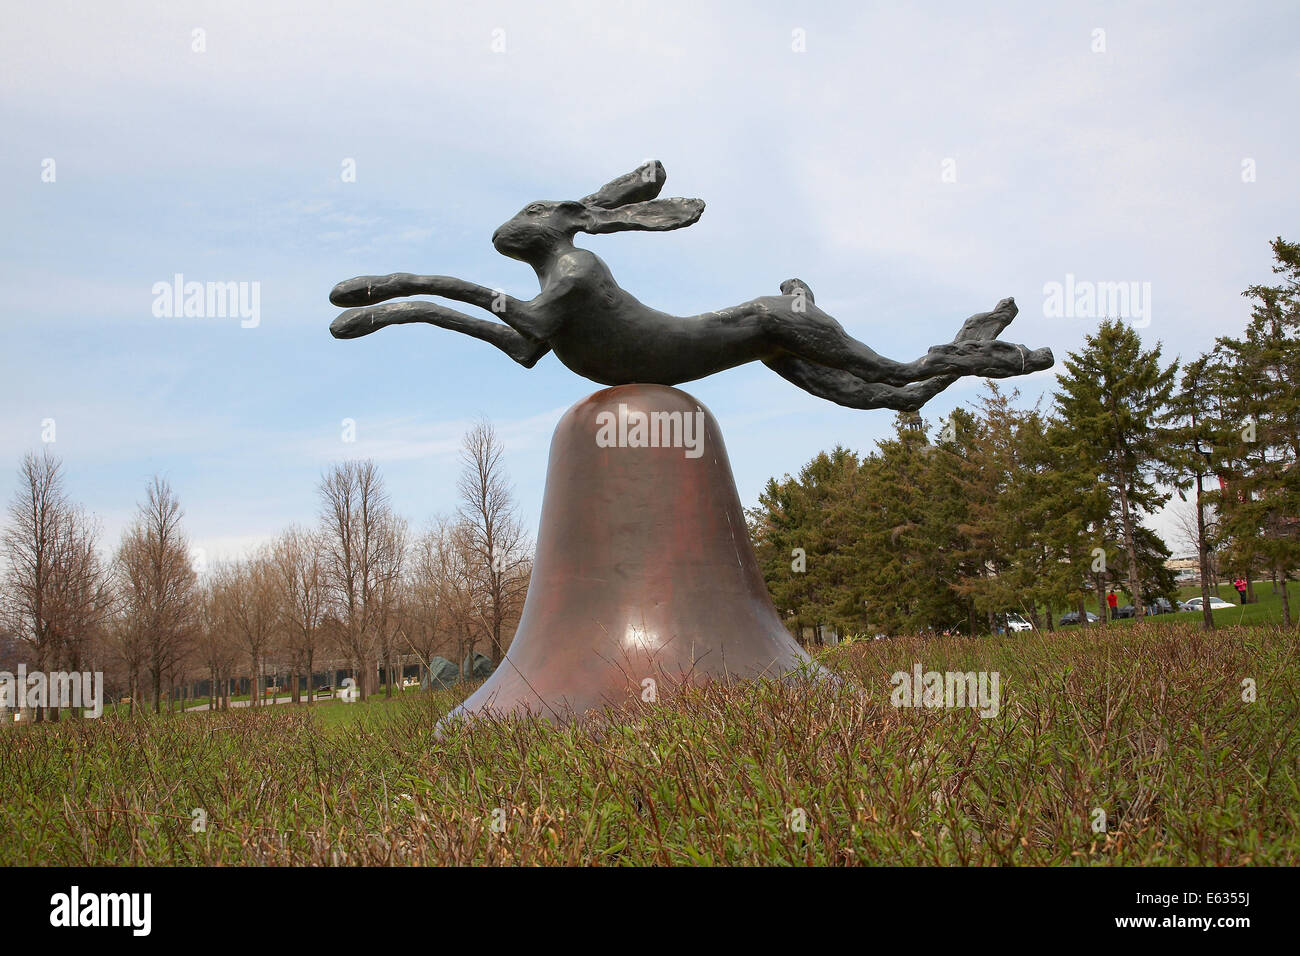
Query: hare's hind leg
[802, 330]
[793, 323]
[845, 388]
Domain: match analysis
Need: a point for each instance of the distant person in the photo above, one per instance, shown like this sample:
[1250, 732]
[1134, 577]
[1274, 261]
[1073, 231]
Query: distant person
[1113, 602]
[1240, 585]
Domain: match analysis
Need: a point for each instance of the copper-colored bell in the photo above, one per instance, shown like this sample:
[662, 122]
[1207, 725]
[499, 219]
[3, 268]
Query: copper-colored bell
[644, 578]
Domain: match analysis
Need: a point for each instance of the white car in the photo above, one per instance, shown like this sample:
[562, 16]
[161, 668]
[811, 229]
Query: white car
[1216, 604]
[1011, 622]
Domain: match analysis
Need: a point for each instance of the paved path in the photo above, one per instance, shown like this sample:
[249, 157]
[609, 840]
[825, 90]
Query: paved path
[245, 703]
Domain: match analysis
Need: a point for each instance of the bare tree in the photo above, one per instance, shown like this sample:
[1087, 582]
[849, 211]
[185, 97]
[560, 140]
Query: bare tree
[248, 608]
[493, 534]
[300, 577]
[388, 621]
[82, 593]
[215, 647]
[158, 585]
[35, 515]
[124, 641]
[1189, 535]
[431, 612]
[55, 588]
[362, 559]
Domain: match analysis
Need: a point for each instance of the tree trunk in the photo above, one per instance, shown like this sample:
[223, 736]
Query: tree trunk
[1203, 557]
[1286, 601]
[1126, 522]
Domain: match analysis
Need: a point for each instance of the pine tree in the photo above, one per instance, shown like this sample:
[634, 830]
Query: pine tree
[1190, 455]
[1075, 504]
[912, 556]
[1114, 397]
[1260, 510]
[803, 531]
[1001, 487]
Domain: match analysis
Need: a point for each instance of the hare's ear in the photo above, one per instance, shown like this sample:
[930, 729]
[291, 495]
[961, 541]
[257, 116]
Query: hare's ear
[657, 215]
[640, 184]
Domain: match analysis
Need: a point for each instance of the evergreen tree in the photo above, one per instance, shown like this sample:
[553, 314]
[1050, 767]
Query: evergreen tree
[1001, 490]
[1260, 510]
[910, 556]
[1114, 398]
[1190, 455]
[1076, 505]
[803, 532]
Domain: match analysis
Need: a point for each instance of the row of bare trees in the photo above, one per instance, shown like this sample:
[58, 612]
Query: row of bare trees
[359, 591]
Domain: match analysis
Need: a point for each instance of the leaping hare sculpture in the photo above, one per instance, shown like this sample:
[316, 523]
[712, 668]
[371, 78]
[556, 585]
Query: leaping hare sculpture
[605, 334]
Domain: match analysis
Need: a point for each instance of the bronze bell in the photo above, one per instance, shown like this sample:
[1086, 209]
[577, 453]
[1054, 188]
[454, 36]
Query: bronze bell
[644, 578]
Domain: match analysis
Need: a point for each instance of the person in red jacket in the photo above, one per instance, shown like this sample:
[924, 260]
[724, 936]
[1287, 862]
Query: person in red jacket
[1113, 602]
[1240, 585]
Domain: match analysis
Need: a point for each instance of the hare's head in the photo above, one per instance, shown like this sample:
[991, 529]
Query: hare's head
[542, 228]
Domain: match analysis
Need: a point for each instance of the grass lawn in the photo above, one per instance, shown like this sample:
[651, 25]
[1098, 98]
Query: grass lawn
[144, 709]
[1267, 608]
[341, 713]
[1146, 724]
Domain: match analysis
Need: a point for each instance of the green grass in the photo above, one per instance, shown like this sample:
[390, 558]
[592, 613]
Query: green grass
[1267, 608]
[144, 709]
[1146, 723]
[341, 713]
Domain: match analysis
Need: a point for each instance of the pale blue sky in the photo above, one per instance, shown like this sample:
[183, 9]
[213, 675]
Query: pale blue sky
[224, 165]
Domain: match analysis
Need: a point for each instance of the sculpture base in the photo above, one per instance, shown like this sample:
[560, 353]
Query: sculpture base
[644, 579]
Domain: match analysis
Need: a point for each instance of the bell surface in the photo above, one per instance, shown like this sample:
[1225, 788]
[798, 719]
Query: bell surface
[644, 578]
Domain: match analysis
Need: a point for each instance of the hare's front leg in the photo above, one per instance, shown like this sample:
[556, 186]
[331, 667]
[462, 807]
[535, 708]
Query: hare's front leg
[357, 322]
[368, 290]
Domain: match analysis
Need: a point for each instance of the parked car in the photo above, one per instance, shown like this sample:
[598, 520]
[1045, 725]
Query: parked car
[1160, 605]
[1011, 621]
[1216, 603]
[1072, 617]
